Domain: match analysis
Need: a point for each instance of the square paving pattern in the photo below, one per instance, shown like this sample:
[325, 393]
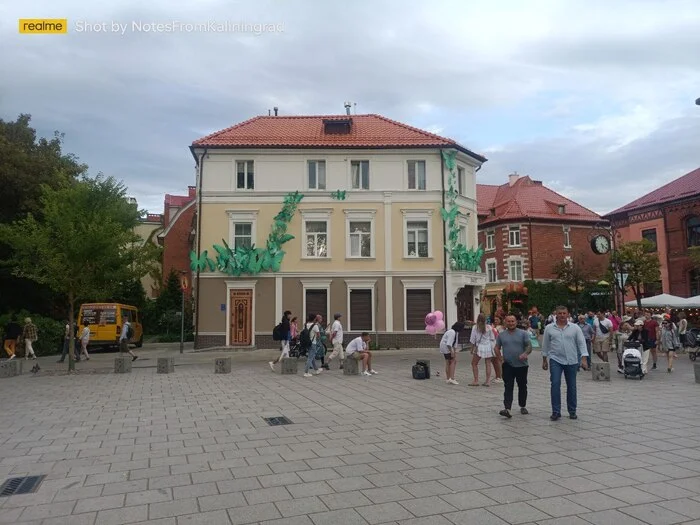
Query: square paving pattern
[193, 448]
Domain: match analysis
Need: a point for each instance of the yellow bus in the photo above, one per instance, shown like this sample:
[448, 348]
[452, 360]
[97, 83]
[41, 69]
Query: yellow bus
[106, 321]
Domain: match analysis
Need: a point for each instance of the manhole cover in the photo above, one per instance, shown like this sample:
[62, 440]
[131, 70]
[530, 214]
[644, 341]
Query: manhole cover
[25, 485]
[278, 420]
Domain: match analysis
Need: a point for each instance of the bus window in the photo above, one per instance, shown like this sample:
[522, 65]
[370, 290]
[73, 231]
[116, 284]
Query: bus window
[96, 315]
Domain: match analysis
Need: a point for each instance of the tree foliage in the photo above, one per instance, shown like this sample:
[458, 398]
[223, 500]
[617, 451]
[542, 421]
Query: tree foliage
[641, 264]
[82, 245]
[573, 274]
[694, 253]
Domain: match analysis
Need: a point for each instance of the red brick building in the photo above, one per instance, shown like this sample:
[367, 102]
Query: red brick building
[526, 229]
[669, 217]
[178, 232]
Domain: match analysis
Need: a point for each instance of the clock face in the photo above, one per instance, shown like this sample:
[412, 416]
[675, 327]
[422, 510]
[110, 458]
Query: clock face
[601, 244]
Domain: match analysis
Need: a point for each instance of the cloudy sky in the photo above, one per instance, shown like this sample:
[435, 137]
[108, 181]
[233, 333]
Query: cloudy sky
[595, 98]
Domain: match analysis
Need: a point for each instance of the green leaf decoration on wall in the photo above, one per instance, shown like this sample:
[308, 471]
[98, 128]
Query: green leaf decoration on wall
[338, 195]
[461, 258]
[249, 259]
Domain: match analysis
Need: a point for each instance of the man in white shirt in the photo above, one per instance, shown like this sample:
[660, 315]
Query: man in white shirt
[336, 333]
[124, 340]
[603, 329]
[357, 349]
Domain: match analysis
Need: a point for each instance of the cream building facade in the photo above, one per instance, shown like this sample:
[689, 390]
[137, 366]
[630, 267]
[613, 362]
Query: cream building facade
[368, 229]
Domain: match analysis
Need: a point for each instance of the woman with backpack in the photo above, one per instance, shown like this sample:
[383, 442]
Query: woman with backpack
[284, 332]
[310, 340]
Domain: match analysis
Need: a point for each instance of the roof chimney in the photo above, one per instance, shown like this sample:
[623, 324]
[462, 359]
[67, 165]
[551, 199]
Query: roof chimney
[275, 109]
[348, 105]
[513, 178]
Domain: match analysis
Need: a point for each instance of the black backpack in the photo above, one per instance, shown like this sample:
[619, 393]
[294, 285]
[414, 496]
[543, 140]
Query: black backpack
[129, 331]
[419, 371]
[305, 337]
[277, 333]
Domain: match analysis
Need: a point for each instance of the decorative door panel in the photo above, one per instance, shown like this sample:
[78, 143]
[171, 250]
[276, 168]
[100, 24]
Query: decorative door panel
[241, 322]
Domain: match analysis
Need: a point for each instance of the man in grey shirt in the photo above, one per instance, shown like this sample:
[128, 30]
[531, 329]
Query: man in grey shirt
[588, 334]
[515, 345]
[562, 344]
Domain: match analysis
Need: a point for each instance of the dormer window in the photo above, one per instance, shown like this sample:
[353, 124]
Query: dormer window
[337, 126]
[561, 209]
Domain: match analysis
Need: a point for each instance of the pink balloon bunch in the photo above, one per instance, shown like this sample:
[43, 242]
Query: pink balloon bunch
[434, 322]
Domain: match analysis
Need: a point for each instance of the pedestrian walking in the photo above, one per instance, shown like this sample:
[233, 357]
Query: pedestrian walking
[124, 338]
[562, 344]
[30, 335]
[84, 339]
[603, 330]
[336, 336]
[588, 334]
[515, 347]
[669, 342]
[285, 334]
[310, 339]
[13, 331]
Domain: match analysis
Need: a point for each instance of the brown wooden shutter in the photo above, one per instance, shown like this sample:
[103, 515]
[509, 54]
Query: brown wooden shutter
[418, 305]
[360, 310]
[317, 303]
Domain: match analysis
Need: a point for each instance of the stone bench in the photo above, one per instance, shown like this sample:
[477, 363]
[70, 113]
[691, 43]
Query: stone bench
[166, 365]
[122, 365]
[11, 368]
[289, 365]
[351, 366]
[222, 365]
[600, 371]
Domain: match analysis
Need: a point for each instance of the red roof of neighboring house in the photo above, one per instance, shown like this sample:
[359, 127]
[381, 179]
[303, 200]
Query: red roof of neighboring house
[177, 200]
[366, 131]
[686, 186]
[527, 199]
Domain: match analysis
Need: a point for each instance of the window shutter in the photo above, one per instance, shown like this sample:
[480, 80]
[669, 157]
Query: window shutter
[418, 305]
[360, 310]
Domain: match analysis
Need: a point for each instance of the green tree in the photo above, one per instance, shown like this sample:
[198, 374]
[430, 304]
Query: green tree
[641, 264]
[80, 247]
[573, 274]
[27, 163]
[694, 253]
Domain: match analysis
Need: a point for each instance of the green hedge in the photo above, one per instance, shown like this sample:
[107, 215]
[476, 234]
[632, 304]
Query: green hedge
[50, 333]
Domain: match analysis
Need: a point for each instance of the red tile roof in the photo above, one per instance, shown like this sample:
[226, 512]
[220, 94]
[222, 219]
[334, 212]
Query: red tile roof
[177, 200]
[367, 131]
[527, 199]
[686, 186]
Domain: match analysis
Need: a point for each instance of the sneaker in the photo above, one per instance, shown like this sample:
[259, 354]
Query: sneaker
[12, 357]
[366, 373]
[319, 371]
[620, 370]
[307, 375]
[505, 413]
[653, 367]
[132, 359]
[573, 415]
[454, 382]
[555, 417]
[326, 367]
[372, 372]
[670, 370]
[524, 411]
[341, 366]
[498, 380]
[272, 365]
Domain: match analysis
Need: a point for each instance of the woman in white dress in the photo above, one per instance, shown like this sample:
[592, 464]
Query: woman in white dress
[483, 341]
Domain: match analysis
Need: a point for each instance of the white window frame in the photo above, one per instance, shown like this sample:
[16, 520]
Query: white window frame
[514, 229]
[323, 284]
[239, 285]
[461, 181]
[360, 216]
[417, 215]
[361, 285]
[306, 174]
[321, 215]
[567, 236]
[245, 180]
[408, 187]
[416, 285]
[493, 262]
[522, 269]
[463, 224]
[238, 217]
[369, 175]
[490, 234]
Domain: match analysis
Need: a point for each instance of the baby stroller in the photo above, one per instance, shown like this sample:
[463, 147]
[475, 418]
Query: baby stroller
[632, 360]
[295, 349]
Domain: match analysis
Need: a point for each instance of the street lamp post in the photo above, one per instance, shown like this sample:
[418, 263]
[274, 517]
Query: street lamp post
[183, 287]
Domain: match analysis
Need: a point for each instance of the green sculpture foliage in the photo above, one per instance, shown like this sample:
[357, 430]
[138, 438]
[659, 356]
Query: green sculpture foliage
[461, 258]
[249, 259]
[338, 195]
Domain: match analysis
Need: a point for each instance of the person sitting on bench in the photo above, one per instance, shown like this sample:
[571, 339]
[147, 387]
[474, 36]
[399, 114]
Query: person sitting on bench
[357, 349]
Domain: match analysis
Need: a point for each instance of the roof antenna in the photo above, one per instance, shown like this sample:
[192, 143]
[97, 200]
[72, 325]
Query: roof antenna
[269, 112]
[348, 105]
[355, 108]
[275, 108]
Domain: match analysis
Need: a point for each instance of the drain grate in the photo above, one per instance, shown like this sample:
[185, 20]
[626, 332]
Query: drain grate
[279, 420]
[25, 485]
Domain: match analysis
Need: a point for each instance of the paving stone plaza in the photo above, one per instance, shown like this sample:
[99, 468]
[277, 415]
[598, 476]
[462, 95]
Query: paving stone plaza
[192, 447]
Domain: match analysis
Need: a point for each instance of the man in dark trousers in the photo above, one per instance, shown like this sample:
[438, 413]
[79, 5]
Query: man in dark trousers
[12, 332]
[514, 344]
